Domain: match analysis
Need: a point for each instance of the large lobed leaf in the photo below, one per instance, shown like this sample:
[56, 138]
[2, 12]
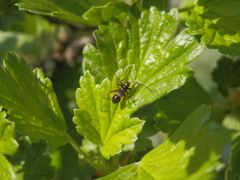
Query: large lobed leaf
[31, 102]
[144, 53]
[218, 23]
[70, 11]
[8, 146]
[192, 152]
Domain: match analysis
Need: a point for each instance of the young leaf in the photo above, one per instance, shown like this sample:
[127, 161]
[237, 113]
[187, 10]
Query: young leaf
[70, 11]
[8, 146]
[149, 56]
[192, 152]
[100, 122]
[218, 24]
[31, 102]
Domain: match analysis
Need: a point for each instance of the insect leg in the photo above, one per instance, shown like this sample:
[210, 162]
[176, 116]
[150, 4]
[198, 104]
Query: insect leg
[131, 98]
[119, 83]
[138, 83]
[125, 74]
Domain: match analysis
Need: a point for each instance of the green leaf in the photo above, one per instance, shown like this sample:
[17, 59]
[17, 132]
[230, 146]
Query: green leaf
[31, 102]
[232, 121]
[154, 62]
[9, 14]
[227, 74]
[100, 14]
[6, 169]
[32, 160]
[217, 22]
[35, 40]
[37, 165]
[8, 146]
[233, 170]
[192, 152]
[160, 59]
[101, 122]
[183, 101]
[70, 11]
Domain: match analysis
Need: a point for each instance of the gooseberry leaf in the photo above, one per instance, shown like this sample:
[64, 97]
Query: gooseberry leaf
[31, 102]
[159, 58]
[192, 152]
[70, 11]
[8, 146]
[148, 56]
[100, 14]
[217, 22]
[101, 122]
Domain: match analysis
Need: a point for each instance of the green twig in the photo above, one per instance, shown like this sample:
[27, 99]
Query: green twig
[75, 146]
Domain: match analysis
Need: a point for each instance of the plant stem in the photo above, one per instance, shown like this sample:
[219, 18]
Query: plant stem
[75, 146]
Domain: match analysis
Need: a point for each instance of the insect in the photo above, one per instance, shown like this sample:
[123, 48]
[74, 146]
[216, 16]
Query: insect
[123, 90]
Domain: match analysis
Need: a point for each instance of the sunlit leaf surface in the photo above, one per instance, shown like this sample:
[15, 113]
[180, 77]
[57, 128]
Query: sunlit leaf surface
[149, 56]
[31, 101]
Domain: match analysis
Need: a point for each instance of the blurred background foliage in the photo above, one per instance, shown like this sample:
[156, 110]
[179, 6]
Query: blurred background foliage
[54, 40]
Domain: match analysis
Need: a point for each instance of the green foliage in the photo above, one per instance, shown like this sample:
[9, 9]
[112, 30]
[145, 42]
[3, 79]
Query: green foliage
[31, 102]
[217, 21]
[8, 146]
[70, 11]
[149, 132]
[100, 14]
[192, 152]
[159, 63]
[9, 14]
[34, 41]
[70, 166]
[233, 170]
[183, 100]
[232, 121]
[160, 4]
[101, 122]
[32, 160]
[227, 74]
